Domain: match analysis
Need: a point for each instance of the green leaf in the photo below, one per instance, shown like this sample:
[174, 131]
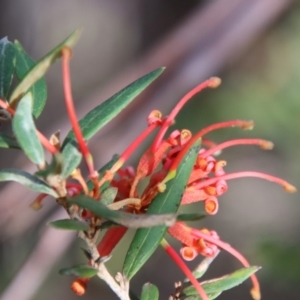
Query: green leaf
[7, 141]
[82, 271]
[71, 159]
[25, 131]
[122, 218]
[190, 217]
[69, 224]
[93, 121]
[7, 65]
[101, 172]
[147, 240]
[27, 180]
[149, 292]
[39, 89]
[224, 283]
[197, 297]
[39, 69]
[108, 196]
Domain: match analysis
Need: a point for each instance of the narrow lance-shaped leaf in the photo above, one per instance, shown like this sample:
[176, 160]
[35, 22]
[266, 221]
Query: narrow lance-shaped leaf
[69, 224]
[147, 240]
[122, 218]
[109, 195]
[71, 159]
[40, 68]
[197, 297]
[93, 121]
[7, 65]
[25, 131]
[82, 271]
[39, 89]
[223, 283]
[27, 180]
[149, 292]
[7, 141]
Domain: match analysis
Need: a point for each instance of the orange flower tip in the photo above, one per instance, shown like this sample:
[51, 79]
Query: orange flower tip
[188, 253]
[214, 82]
[222, 163]
[255, 293]
[78, 287]
[36, 205]
[290, 188]
[161, 187]
[248, 125]
[211, 206]
[267, 145]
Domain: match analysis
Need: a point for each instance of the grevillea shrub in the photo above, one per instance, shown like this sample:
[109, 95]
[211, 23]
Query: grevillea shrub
[180, 169]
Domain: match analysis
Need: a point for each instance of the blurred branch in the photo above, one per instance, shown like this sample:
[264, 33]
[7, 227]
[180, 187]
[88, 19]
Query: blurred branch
[40, 261]
[212, 37]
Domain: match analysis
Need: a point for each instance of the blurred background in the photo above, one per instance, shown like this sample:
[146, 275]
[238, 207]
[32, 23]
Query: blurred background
[253, 46]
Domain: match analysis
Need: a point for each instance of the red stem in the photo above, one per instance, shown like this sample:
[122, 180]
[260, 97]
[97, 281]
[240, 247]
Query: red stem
[66, 54]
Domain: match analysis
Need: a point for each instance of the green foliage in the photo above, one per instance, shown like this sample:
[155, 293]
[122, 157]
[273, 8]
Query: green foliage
[7, 66]
[24, 63]
[69, 224]
[25, 131]
[93, 121]
[224, 283]
[82, 271]
[123, 218]
[71, 159]
[6, 141]
[149, 292]
[37, 71]
[28, 180]
[147, 240]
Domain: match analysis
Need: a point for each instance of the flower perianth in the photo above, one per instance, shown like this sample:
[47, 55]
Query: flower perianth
[66, 54]
[210, 83]
[180, 263]
[111, 238]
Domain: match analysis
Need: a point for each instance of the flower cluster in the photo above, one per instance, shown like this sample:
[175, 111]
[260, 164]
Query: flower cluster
[207, 181]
